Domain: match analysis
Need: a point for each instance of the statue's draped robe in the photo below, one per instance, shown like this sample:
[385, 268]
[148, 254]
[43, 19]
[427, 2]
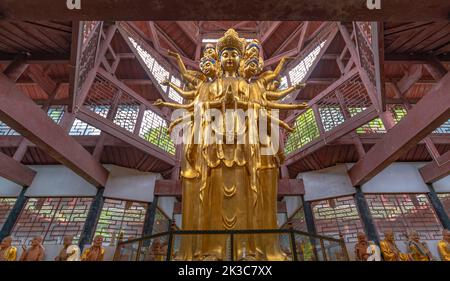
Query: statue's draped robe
[228, 186]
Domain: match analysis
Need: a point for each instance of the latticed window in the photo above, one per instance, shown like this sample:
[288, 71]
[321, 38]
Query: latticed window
[80, 128]
[306, 130]
[443, 129]
[157, 70]
[398, 112]
[375, 126]
[6, 204]
[298, 73]
[52, 218]
[154, 130]
[298, 221]
[56, 113]
[336, 217]
[161, 223]
[331, 117]
[403, 212]
[126, 116]
[120, 216]
[7, 131]
[172, 93]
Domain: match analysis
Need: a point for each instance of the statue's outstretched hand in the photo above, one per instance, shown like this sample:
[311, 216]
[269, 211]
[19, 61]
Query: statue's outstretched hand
[299, 86]
[173, 54]
[165, 82]
[158, 102]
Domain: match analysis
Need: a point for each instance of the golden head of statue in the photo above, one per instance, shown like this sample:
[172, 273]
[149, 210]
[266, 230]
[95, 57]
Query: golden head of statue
[230, 49]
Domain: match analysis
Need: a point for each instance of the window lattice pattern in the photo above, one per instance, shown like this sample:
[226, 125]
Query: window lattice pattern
[126, 116]
[80, 128]
[331, 117]
[398, 112]
[154, 130]
[347, 101]
[306, 130]
[375, 126]
[162, 223]
[298, 73]
[172, 93]
[443, 129]
[56, 113]
[335, 217]
[158, 71]
[7, 131]
[119, 216]
[403, 212]
[6, 204]
[88, 27]
[445, 199]
[298, 221]
[283, 83]
[52, 218]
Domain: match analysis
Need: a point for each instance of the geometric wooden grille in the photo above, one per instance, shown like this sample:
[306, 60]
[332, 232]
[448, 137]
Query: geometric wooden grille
[6, 204]
[375, 126]
[298, 72]
[154, 130]
[305, 131]
[445, 199]
[336, 217]
[56, 113]
[120, 216]
[52, 218]
[403, 212]
[298, 221]
[443, 129]
[80, 128]
[158, 70]
[126, 116]
[161, 223]
[7, 131]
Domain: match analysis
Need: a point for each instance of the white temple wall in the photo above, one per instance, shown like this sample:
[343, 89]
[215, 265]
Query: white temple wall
[130, 184]
[328, 183]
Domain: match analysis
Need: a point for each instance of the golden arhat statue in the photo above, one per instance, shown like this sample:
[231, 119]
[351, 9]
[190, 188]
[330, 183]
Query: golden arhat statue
[230, 184]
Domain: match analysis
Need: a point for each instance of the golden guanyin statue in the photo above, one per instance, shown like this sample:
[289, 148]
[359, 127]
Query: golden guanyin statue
[229, 168]
[444, 246]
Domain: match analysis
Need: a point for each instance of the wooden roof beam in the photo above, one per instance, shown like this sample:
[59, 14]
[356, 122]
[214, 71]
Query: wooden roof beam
[20, 113]
[419, 123]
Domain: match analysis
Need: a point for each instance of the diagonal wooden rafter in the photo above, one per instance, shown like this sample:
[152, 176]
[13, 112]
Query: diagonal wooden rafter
[20, 113]
[419, 123]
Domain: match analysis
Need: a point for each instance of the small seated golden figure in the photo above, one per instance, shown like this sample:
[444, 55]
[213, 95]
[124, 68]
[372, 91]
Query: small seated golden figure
[96, 252]
[418, 250]
[444, 246]
[390, 250]
[7, 251]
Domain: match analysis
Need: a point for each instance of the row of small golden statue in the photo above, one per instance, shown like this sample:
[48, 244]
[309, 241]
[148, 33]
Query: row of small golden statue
[417, 250]
[36, 252]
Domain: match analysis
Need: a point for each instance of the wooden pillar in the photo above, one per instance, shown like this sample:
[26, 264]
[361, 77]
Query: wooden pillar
[438, 207]
[14, 214]
[309, 216]
[91, 221]
[366, 216]
[150, 217]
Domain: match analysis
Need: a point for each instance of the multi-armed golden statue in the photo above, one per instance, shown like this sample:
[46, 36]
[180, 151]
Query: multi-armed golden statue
[230, 185]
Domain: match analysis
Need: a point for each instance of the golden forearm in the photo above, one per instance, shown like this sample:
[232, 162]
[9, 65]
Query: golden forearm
[184, 94]
[280, 122]
[274, 105]
[278, 95]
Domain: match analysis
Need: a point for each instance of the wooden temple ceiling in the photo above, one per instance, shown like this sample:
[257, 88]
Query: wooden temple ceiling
[48, 44]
